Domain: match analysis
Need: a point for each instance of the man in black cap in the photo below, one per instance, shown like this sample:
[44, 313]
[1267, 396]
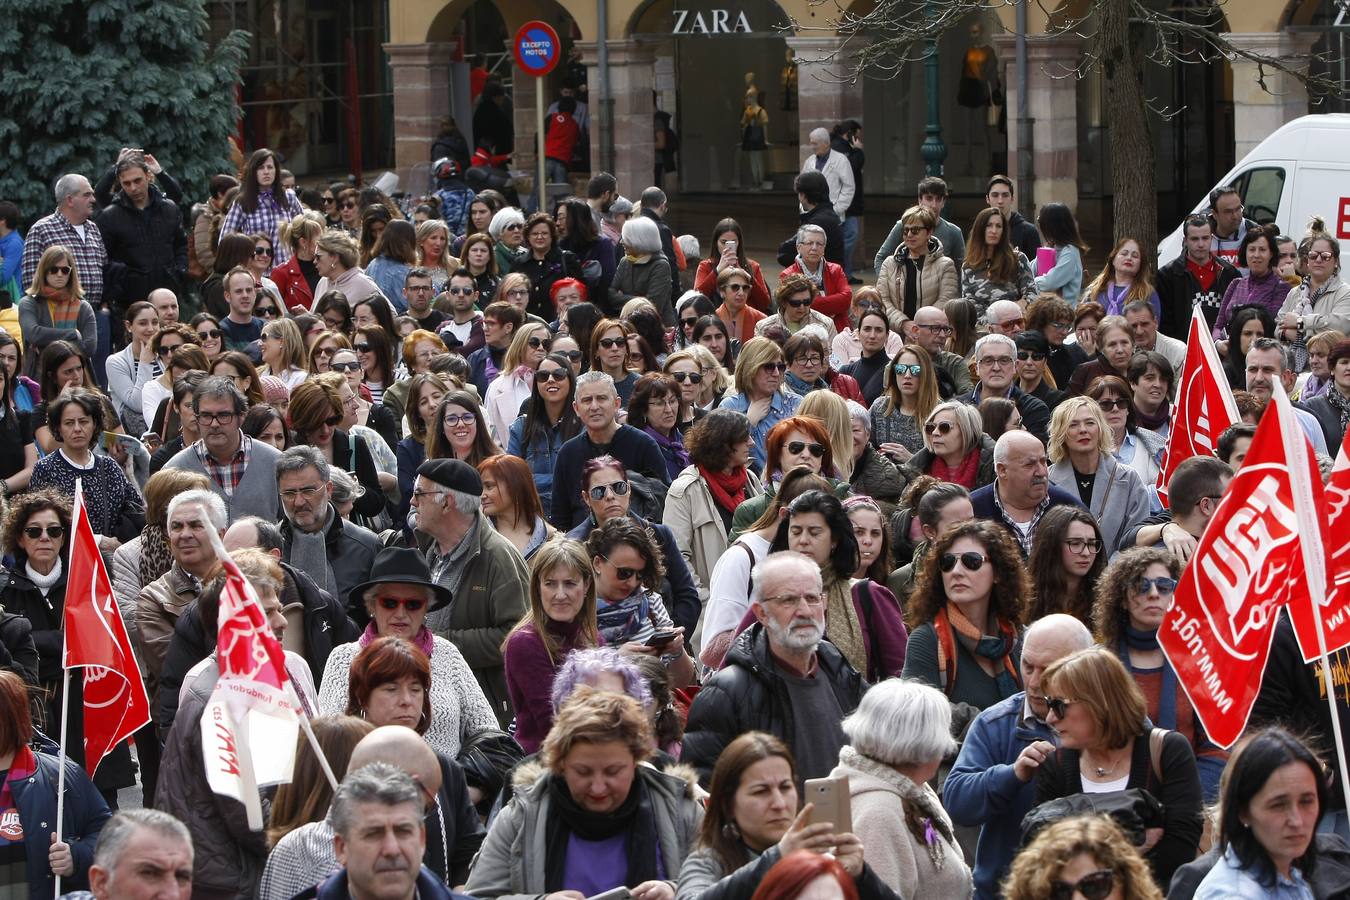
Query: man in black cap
[1033, 350]
[482, 570]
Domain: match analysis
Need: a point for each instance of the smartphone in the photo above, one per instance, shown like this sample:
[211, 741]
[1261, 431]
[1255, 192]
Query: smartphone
[661, 638]
[831, 801]
[731, 246]
[618, 893]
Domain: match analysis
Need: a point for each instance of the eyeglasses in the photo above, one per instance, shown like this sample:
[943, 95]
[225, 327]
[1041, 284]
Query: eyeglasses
[326, 200]
[411, 604]
[1025, 355]
[209, 334]
[309, 493]
[462, 291]
[345, 366]
[689, 323]
[216, 418]
[324, 351]
[936, 329]
[1164, 585]
[262, 251]
[618, 489]
[691, 377]
[1083, 546]
[774, 368]
[461, 419]
[361, 348]
[417, 288]
[611, 343]
[738, 287]
[814, 601]
[1113, 405]
[1093, 886]
[1019, 323]
[995, 362]
[1315, 256]
[623, 573]
[913, 229]
[542, 375]
[35, 531]
[535, 343]
[1058, 705]
[939, 427]
[427, 493]
[798, 304]
[1062, 326]
[518, 292]
[970, 561]
[59, 270]
[813, 359]
[333, 324]
[514, 227]
[914, 369]
[795, 447]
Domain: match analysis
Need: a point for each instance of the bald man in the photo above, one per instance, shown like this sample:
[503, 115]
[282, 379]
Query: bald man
[306, 856]
[1021, 492]
[991, 784]
[930, 329]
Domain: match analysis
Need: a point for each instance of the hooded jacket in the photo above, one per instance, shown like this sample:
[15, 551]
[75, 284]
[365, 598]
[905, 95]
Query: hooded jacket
[936, 282]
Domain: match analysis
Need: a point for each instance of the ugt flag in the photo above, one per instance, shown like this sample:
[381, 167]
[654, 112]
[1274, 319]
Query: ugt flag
[1334, 609]
[1248, 564]
[1204, 406]
[115, 703]
[250, 726]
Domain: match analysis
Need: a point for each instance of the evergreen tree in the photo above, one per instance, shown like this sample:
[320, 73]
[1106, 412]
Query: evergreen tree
[83, 78]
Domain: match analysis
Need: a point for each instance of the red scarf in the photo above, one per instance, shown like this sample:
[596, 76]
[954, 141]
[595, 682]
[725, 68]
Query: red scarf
[728, 488]
[963, 474]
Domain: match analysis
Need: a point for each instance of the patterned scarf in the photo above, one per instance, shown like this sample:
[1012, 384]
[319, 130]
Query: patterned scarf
[1341, 404]
[65, 310]
[999, 649]
[422, 639]
[155, 556]
[620, 621]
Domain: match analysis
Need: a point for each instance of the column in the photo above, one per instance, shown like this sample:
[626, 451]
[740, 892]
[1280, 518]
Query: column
[1052, 101]
[524, 157]
[825, 96]
[632, 74]
[421, 85]
[1258, 111]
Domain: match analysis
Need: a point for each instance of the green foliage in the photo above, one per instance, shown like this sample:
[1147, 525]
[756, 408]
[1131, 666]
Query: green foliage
[83, 78]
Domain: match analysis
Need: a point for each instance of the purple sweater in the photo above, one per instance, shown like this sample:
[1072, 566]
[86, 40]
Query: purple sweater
[1268, 292]
[593, 867]
[529, 680]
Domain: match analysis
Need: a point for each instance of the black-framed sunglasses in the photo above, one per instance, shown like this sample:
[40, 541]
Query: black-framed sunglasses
[209, 335]
[462, 291]
[59, 270]
[618, 489]
[623, 573]
[33, 532]
[611, 343]
[542, 375]
[774, 368]
[798, 304]
[361, 348]
[795, 447]
[333, 421]
[411, 604]
[1025, 355]
[1112, 405]
[165, 351]
[1096, 885]
[535, 343]
[970, 561]
[262, 251]
[691, 377]
[345, 366]
[915, 369]
[270, 312]
[1058, 705]
[573, 355]
[689, 323]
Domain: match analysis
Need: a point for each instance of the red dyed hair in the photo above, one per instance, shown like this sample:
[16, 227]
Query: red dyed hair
[563, 284]
[790, 875]
[384, 660]
[16, 721]
[516, 482]
[778, 437]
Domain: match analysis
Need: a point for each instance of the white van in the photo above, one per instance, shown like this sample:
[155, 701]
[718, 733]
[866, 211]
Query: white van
[1300, 171]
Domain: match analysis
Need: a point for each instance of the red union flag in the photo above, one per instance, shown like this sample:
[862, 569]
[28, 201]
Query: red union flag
[1204, 406]
[249, 727]
[1217, 633]
[115, 703]
[1334, 521]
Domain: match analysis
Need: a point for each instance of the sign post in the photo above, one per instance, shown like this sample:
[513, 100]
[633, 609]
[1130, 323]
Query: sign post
[537, 51]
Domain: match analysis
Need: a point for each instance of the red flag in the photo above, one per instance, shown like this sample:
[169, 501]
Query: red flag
[1217, 633]
[1334, 521]
[1204, 406]
[115, 704]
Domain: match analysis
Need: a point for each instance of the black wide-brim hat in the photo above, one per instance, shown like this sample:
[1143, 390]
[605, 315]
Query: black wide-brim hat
[399, 565]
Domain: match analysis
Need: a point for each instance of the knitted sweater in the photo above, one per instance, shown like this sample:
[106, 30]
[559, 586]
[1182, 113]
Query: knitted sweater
[256, 493]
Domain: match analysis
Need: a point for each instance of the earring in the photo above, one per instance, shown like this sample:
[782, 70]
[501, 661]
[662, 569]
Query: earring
[731, 832]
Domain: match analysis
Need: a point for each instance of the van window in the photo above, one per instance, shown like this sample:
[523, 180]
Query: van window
[1261, 190]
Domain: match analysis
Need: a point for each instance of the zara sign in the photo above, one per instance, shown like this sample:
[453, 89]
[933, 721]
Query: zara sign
[712, 21]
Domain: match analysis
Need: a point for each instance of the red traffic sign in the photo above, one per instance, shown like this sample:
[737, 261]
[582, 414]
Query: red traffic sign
[537, 48]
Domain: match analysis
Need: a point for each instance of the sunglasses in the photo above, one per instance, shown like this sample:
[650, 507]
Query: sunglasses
[332, 421]
[462, 291]
[361, 348]
[572, 355]
[1025, 355]
[795, 447]
[1094, 886]
[914, 369]
[913, 229]
[1319, 256]
[53, 531]
[689, 323]
[618, 489]
[1110, 405]
[345, 366]
[349, 205]
[611, 343]
[1058, 705]
[412, 605]
[269, 312]
[691, 377]
[1164, 585]
[209, 335]
[739, 287]
[59, 270]
[165, 351]
[798, 304]
[542, 375]
[970, 561]
[623, 573]
[774, 368]
[261, 251]
[939, 427]
[535, 343]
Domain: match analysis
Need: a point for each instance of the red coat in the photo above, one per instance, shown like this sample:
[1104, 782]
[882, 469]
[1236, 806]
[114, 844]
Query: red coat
[705, 282]
[295, 290]
[845, 386]
[836, 298]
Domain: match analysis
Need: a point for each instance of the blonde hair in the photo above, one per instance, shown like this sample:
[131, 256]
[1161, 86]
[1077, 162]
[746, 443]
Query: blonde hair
[1099, 682]
[592, 716]
[832, 411]
[341, 245]
[928, 397]
[755, 353]
[425, 230]
[515, 353]
[304, 227]
[559, 553]
[634, 305]
[292, 346]
[706, 361]
[1037, 867]
[1059, 427]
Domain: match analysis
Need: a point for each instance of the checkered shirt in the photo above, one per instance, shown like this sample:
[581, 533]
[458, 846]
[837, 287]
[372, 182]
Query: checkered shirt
[227, 476]
[266, 219]
[90, 254]
[1024, 540]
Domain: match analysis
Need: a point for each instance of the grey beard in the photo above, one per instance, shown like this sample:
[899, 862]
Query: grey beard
[784, 635]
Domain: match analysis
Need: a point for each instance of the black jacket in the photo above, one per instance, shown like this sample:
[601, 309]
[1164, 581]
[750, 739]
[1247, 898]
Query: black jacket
[824, 216]
[1024, 236]
[326, 626]
[1328, 418]
[856, 159]
[556, 265]
[18, 653]
[351, 553]
[748, 694]
[1035, 412]
[148, 244]
[668, 249]
[1179, 292]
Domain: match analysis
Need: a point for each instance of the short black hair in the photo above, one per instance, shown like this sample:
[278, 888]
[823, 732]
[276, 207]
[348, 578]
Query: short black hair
[933, 185]
[600, 184]
[1140, 363]
[9, 214]
[1222, 191]
[1000, 179]
[84, 398]
[813, 186]
[1196, 478]
[1228, 440]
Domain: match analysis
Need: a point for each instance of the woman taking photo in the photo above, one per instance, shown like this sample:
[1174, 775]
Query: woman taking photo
[703, 497]
[657, 408]
[297, 277]
[397, 598]
[994, 269]
[1322, 302]
[336, 256]
[394, 255]
[316, 413]
[209, 335]
[433, 254]
[509, 390]
[911, 396]
[795, 441]
[1127, 276]
[1101, 717]
[965, 616]
[480, 259]
[1083, 856]
[54, 308]
[561, 619]
[1262, 285]
[1132, 597]
[1115, 346]
[263, 204]
[556, 832]
[547, 423]
[1082, 464]
[1066, 563]
[1134, 447]
[512, 504]
[759, 394]
[283, 353]
[459, 431]
[727, 250]
[134, 366]
[918, 273]
[545, 262]
[955, 448]
[595, 253]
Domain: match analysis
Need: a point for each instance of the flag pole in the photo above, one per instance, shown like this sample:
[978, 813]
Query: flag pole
[1314, 562]
[65, 695]
[310, 736]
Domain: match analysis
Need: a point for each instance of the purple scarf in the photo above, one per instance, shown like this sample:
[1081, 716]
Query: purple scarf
[672, 448]
[422, 640]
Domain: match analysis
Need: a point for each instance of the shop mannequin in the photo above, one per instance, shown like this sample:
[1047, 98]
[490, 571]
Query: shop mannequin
[754, 139]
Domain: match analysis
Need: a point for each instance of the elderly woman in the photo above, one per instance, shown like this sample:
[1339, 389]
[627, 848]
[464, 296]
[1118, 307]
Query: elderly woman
[965, 618]
[955, 448]
[1115, 346]
[1132, 596]
[759, 394]
[1085, 856]
[874, 475]
[509, 390]
[898, 737]
[397, 598]
[336, 257]
[1105, 745]
[1082, 463]
[644, 270]
[703, 498]
[576, 830]
[512, 504]
[919, 261]
[656, 408]
[507, 229]
[561, 619]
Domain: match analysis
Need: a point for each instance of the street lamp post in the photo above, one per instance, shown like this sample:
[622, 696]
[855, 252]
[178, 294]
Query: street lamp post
[934, 151]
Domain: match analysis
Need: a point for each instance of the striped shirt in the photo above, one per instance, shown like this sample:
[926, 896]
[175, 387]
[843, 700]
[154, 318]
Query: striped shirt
[90, 254]
[266, 219]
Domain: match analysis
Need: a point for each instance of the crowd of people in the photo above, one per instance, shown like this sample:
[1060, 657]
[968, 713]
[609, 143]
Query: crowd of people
[601, 565]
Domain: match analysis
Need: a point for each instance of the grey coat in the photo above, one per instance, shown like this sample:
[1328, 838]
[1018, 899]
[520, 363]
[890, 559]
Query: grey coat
[650, 279]
[35, 322]
[1119, 498]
